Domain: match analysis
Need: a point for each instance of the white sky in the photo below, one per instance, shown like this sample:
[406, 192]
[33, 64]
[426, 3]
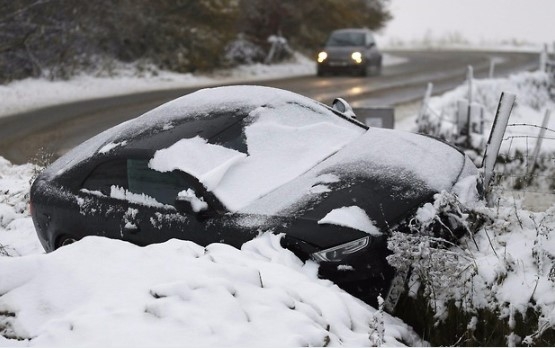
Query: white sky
[476, 20]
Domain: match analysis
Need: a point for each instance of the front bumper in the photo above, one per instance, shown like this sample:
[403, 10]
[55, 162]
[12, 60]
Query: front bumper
[340, 66]
[365, 274]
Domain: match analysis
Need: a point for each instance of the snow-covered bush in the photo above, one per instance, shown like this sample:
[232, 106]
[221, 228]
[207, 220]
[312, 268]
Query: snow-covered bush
[495, 286]
[243, 51]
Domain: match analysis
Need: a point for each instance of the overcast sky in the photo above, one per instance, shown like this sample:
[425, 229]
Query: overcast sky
[476, 20]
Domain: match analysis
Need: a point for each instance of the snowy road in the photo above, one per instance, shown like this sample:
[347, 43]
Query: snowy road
[58, 128]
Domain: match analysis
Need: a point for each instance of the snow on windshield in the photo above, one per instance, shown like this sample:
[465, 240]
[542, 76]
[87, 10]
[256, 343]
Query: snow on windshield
[285, 139]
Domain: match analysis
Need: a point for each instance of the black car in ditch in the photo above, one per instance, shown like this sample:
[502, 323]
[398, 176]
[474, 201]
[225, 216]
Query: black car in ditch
[228, 163]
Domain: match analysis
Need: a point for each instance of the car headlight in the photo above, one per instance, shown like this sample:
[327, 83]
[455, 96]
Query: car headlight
[357, 57]
[339, 252]
[322, 56]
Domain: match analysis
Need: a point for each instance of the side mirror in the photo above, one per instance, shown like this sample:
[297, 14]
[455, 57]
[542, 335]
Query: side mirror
[188, 202]
[371, 44]
[343, 107]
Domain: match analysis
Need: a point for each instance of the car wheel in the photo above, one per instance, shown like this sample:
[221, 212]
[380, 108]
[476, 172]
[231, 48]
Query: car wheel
[65, 240]
[320, 71]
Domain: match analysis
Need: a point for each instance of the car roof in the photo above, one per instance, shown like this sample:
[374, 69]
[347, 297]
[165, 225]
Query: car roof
[185, 117]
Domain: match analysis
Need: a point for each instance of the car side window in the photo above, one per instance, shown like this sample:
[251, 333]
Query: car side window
[105, 175]
[135, 176]
[164, 187]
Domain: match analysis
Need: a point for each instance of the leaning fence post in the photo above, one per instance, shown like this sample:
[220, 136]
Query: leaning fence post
[541, 135]
[423, 107]
[493, 145]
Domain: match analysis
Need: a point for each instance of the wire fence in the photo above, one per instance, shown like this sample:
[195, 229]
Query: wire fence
[525, 164]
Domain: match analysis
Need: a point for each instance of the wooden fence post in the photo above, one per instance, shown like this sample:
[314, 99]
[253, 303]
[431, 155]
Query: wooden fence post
[492, 63]
[466, 129]
[421, 119]
[543, 58]
[537, 148]
[493, 145]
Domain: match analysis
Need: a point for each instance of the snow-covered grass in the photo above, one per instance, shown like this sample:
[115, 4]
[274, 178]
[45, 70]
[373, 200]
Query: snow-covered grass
[496, 286]
[514, 168]
[455, 41]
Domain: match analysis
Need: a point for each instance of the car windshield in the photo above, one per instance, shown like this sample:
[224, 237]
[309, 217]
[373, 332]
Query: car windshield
[280, 138]
[346, 39]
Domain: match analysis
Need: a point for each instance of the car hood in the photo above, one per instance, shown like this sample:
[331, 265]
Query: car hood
[386, 173]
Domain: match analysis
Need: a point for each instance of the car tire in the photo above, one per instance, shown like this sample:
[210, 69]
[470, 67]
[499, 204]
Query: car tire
[65, 240]
[320, 72]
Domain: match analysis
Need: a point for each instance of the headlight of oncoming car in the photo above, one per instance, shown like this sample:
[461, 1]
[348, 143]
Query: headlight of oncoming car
[322, 56]
[357, 57]
[339, 252]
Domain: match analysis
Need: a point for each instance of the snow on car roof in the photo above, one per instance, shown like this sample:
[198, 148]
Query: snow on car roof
[194, 105]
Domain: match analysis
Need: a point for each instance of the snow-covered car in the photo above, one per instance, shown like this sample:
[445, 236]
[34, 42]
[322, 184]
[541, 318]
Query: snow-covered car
[350, 50]
[228, 163]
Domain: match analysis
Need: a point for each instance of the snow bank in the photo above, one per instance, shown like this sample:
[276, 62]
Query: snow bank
[100, 292]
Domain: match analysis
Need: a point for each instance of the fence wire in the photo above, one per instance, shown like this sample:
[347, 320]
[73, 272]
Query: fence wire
[522, 175]
[521, 171]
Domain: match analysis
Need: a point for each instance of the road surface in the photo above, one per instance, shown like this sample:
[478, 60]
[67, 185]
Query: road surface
[54, 130]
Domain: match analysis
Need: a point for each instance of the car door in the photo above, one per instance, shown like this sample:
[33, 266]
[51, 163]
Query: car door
[165, 205]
